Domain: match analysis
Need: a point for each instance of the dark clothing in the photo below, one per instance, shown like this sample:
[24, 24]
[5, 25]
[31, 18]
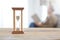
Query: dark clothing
[33, 25]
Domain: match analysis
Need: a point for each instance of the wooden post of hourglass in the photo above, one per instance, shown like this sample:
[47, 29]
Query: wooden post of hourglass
[14, 27]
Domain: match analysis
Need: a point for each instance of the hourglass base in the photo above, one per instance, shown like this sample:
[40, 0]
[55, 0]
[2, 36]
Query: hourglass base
[17, 32]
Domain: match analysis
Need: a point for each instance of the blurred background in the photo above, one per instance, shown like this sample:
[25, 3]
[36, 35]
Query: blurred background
[30, 7]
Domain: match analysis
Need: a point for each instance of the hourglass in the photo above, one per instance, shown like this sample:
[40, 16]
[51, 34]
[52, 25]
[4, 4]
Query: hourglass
[17, 21]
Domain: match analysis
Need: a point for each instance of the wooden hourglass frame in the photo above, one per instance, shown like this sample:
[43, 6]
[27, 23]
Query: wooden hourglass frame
[14, 26]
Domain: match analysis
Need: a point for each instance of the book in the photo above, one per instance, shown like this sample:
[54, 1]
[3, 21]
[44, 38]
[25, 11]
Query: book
[36, 18]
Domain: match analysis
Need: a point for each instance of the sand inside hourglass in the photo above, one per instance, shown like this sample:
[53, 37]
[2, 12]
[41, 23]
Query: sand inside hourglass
[18, 20]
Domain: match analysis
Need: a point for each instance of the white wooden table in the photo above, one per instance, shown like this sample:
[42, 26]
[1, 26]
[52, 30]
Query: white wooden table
[31, 34]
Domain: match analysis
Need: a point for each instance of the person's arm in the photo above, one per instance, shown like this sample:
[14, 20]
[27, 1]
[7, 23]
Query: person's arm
[39, 24]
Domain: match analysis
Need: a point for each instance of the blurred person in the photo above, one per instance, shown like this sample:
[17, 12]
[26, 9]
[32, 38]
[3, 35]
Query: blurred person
[50, 22]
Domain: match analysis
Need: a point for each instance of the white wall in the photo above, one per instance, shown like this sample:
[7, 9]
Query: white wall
[6, 13]
[57, 6]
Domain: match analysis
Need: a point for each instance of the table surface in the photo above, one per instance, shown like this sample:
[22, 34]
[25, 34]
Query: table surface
[31, 34]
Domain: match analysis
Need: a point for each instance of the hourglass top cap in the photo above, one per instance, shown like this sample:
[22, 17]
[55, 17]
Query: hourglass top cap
[18, 8]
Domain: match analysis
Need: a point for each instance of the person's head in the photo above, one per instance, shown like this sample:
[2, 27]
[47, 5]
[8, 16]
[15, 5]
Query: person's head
[50, 10]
